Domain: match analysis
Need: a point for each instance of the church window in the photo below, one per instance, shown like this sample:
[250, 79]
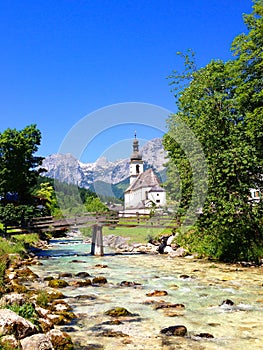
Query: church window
[137, 169]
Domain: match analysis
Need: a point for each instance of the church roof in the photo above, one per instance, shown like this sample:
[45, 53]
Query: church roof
[146, 179]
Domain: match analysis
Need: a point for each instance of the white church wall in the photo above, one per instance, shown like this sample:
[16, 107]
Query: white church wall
[159, 198]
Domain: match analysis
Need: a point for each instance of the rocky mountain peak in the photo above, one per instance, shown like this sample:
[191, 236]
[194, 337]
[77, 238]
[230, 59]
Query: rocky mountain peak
[66, 168]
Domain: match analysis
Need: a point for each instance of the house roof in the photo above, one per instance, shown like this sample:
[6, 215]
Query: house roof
[146, 179]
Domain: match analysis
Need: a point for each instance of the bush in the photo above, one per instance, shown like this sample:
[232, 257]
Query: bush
[42, 298]
[26, 310]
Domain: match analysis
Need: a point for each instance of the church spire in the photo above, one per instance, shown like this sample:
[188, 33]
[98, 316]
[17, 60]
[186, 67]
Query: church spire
[136, 163]
[136, 155]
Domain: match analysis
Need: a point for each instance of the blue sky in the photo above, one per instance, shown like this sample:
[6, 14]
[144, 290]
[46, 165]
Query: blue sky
[62, 60]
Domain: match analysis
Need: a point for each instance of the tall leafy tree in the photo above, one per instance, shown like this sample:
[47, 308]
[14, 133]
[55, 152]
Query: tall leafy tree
[222, 105]
[18, 163]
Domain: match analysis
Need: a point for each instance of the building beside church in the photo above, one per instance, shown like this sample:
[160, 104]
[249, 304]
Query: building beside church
[144, 191]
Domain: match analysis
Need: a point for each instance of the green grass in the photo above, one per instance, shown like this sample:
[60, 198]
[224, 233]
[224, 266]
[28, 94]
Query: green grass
[10, 247]
[26, 238]
[16, 245]
[136, 234]
[3, 263]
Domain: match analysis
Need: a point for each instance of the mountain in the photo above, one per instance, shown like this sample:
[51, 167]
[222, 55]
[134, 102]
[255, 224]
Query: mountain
[66, 168]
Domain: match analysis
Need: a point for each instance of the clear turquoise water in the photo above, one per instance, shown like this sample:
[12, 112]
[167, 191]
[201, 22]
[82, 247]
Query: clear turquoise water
[237, 327]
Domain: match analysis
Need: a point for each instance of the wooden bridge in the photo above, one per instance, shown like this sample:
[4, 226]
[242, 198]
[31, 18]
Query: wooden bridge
[51, 224]
[96, 221]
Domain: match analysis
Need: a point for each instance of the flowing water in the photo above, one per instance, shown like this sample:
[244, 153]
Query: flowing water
[201, 286]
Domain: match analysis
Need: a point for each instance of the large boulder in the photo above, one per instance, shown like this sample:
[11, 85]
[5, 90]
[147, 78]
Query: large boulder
[60, 340]
[11, 323]
[36, 342]
[9, 342]
[179, 252]
[12, 298]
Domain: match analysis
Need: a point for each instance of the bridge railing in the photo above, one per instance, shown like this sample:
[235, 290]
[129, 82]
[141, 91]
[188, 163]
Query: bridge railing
[51, 224]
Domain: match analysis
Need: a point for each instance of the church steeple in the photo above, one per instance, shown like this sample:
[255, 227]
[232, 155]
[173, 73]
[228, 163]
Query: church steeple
[136, 163]
[136, 155]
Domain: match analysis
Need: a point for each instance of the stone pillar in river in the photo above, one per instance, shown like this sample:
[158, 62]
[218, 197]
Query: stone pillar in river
[97, 241]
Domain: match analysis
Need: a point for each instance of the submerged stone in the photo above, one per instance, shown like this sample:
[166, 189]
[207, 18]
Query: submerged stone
[168, 306]
[129, 284]
[99, 280]
[110, 333]
[118, 311]
[204, 335]
[82, 274]
[157, 293]
[179, 331]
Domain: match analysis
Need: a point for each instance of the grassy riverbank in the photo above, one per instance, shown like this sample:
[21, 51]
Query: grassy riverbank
[18, 244]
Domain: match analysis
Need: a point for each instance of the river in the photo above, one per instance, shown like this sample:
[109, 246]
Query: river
[200, 285]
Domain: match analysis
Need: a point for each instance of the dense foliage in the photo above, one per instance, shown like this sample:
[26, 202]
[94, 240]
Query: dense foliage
[18, 164]
[222, 104]
[63, 198]
[19, 171]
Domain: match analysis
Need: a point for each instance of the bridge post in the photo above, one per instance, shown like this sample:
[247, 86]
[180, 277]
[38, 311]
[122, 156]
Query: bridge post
[97, 241]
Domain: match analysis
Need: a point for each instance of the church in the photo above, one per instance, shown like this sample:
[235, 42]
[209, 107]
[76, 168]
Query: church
[144, 191]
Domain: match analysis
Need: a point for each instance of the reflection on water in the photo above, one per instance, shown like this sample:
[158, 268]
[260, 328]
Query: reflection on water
[201, 286]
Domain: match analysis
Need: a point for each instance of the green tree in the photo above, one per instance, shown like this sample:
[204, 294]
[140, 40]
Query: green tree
[18, 164]
[47, 192]
[95, 205]
[222, 105]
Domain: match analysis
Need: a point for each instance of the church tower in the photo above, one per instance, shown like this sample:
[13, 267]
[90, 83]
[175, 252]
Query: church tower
[136, 162]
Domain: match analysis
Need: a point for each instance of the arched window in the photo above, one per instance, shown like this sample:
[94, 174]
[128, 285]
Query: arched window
[137, 169]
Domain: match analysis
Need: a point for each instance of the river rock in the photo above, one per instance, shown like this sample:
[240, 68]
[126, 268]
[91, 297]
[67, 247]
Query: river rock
[99, 280]
[60, 340]
[57, 319]
[17, 287]
[112, 334]
[82, 274]
[41, 311]
[179, 252]
[60, 305]
[53, 294]
[12, 298]
[45, 324]
[204, 335]
[11, 323]
[48, 278]
[102, 266]
[129, 284]
[9, 342]
[168, 250]
[57, 283]
[227, 302]
[179, 331]
[169, 306]
[118, 311]
[36, 342]
[65, 275]
[157, 293]
[25, 273]
[81, 283]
